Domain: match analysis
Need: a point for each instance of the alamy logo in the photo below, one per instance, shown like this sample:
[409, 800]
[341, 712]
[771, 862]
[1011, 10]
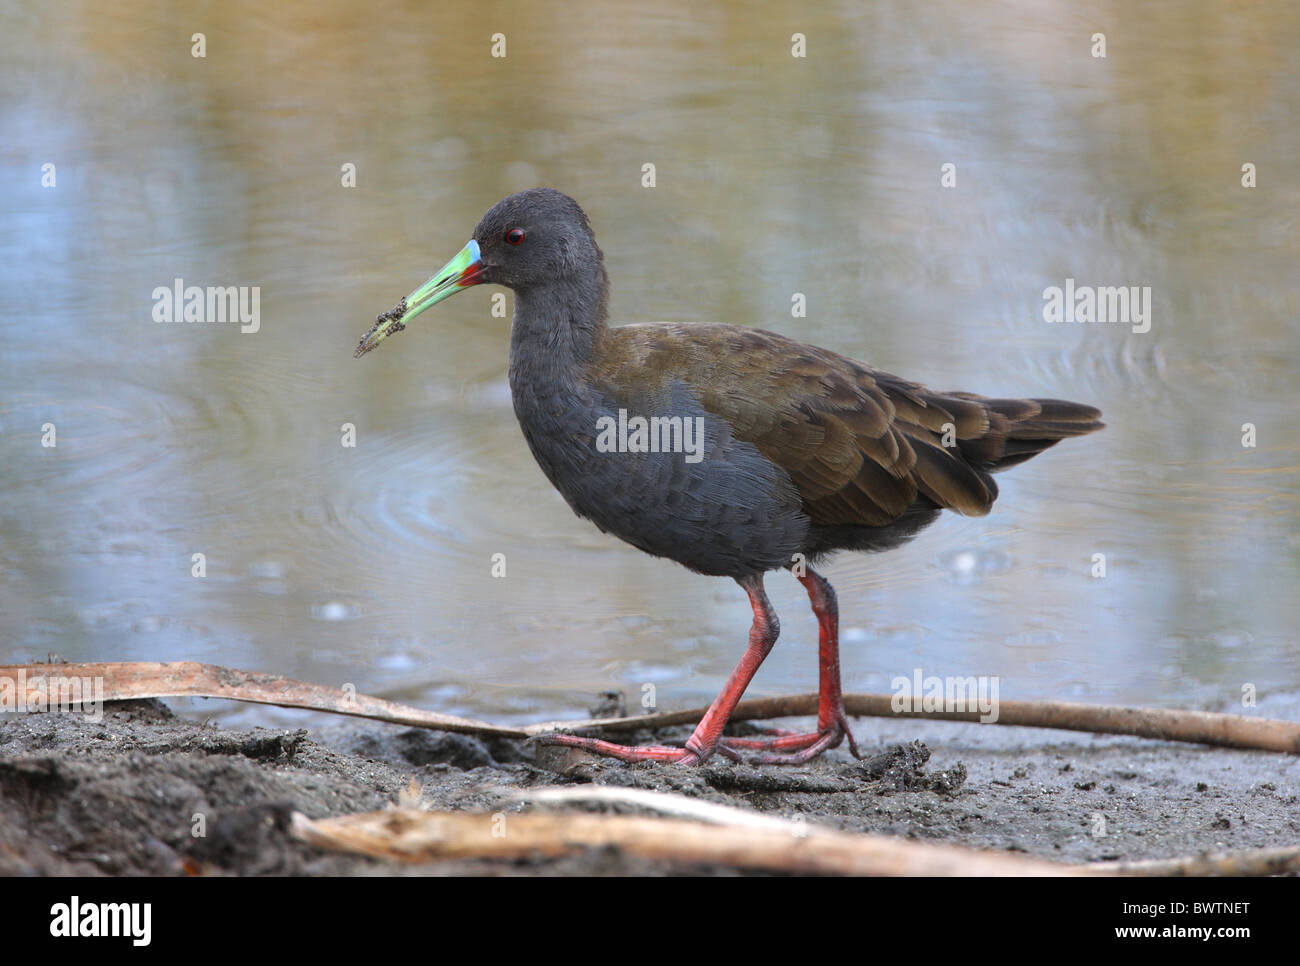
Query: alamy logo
[102, 919]
[1122, 304]
[216, 303]
[923, 692]
[52, 692]
[658, 434]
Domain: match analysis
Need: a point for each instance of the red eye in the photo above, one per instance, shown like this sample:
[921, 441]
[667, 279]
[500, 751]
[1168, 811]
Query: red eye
[514, 236]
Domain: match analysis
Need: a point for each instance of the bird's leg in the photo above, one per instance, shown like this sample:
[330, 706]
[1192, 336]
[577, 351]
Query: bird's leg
[832, 723]
[704, 741]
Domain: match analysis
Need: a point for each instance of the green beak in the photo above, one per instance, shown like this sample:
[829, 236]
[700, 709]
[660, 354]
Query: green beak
[460, 273]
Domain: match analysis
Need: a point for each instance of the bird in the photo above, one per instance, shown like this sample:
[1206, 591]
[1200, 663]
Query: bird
[731, 450]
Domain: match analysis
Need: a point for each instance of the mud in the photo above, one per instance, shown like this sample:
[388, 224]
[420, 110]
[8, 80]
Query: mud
[125, 796]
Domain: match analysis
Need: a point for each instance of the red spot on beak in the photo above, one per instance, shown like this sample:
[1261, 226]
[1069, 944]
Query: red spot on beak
[472, 275]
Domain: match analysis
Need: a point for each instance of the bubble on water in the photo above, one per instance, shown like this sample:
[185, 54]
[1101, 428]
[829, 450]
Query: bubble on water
[447, 692]
[970, 565]
[639, 672]
[335, 610]
[395, 661]
[1233, 639]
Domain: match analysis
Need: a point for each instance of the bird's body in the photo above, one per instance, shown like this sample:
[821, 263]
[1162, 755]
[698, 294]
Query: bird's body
[804, 452]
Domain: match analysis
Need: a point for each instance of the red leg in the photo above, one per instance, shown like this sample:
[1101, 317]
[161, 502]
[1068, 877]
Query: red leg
[832, 723]
[704, 741]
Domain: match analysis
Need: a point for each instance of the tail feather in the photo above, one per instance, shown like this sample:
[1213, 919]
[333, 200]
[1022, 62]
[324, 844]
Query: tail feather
[1022, 428]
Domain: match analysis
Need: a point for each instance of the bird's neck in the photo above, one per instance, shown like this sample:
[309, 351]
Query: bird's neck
[556, 342]
[558, 328]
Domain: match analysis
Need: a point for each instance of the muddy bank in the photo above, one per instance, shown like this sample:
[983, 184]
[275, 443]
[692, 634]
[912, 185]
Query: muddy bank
[124, 796]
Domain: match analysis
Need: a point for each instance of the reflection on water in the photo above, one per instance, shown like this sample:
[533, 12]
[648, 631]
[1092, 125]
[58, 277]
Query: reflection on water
[775, 175]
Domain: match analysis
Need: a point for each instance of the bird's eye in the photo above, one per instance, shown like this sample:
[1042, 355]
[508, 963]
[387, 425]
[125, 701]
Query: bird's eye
[514, 236]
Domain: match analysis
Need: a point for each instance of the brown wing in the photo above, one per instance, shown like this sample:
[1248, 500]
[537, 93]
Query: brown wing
[860, 445]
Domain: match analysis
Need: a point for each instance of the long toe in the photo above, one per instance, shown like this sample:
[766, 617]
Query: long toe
[822, 742]
[630, 753]
[793, 749]
[784, 741]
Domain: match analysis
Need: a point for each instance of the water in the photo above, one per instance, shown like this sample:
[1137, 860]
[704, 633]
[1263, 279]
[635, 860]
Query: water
[372, 565]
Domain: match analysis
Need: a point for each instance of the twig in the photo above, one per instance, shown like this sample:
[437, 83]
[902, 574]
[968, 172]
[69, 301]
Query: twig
[127, 680]
[665, 803]
[1203, 727]
[1278, 861]
[410, 835]
[1253, 862]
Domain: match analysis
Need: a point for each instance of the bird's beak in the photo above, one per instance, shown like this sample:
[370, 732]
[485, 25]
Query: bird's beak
[461, 272]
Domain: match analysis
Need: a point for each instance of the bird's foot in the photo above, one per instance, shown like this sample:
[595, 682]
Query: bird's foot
[792, 748]
[633, 753]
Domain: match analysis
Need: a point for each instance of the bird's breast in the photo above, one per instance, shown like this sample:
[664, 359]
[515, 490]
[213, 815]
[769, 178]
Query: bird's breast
[661, 473]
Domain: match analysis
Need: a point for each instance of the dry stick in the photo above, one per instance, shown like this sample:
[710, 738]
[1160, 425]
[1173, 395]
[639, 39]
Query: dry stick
[669, 804]
[148, 679]
[1276, 861]
[1252, 862]
[1203, 727]
[410, 835]
[189, 679]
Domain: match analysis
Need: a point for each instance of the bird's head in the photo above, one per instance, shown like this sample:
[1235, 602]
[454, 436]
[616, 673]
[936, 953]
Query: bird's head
[530, 239]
